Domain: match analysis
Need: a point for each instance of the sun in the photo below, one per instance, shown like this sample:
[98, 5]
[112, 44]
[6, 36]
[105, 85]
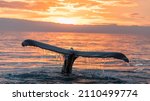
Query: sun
[66, 21]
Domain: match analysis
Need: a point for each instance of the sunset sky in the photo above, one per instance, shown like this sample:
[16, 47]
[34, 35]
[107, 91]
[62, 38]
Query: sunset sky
[89, 12]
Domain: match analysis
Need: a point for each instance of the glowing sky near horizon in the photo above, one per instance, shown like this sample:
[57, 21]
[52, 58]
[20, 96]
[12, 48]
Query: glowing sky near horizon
[121, 12]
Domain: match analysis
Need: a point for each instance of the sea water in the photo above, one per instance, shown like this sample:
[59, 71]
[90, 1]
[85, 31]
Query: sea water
[34, 65]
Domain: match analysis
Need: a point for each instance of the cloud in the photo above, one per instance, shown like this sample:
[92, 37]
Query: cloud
[65, 5]
[14, 4]
[15, 13]
[136, 16]
[30, 5]
[86, 11]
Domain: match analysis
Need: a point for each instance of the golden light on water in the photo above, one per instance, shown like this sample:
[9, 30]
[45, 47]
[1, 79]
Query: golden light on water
[14, 55]
[81, 42]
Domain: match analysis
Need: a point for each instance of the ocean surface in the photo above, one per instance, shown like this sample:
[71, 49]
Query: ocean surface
[30, 65]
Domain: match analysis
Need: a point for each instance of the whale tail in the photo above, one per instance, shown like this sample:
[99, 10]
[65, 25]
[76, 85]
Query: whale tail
[71, 54]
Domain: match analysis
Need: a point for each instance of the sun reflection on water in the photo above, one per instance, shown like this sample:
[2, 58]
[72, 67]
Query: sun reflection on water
[14, 55]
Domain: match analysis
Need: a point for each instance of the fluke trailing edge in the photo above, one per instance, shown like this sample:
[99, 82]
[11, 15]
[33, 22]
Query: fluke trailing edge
[71, 55]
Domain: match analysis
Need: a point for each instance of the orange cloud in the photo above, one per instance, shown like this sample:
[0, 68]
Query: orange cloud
[14, 13]
[126, 12]
[36, 5]
[14, 4]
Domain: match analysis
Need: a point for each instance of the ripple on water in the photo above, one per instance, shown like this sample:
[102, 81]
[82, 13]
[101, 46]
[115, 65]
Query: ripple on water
[53, 75]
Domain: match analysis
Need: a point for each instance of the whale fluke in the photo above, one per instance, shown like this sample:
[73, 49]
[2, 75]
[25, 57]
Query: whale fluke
[71, 55]
[116, 55]
[30, 42]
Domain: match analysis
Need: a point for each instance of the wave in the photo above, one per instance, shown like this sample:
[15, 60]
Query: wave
[52, 75]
